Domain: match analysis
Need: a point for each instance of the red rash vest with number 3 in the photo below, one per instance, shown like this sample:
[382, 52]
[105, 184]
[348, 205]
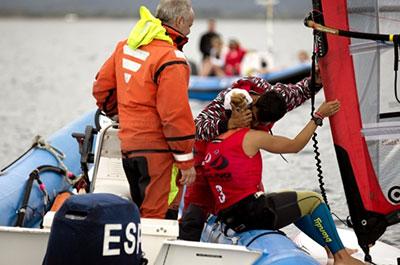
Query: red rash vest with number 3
[227, 167]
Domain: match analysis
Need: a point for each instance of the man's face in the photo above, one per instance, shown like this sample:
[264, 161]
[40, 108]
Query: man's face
[184, 24]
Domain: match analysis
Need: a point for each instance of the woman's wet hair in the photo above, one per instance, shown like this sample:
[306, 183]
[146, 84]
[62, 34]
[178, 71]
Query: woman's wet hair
[271, 106]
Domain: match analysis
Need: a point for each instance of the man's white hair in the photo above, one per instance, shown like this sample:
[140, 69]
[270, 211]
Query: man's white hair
[169, 10]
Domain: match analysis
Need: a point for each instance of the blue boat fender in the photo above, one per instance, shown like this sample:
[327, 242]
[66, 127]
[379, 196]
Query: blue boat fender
[276, 247]
[13, 179]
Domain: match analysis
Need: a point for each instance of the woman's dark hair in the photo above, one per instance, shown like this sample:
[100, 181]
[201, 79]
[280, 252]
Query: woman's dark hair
[270, 107]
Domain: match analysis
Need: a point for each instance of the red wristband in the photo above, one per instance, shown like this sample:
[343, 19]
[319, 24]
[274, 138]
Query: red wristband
[319, 115]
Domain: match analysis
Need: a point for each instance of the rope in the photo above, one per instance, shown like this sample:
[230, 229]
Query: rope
[58, 155]
[34, 144]
[284, 158]
[275, 232]
[316, 49]
[40, 142]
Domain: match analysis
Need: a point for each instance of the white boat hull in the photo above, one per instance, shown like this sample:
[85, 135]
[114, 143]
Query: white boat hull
[22, 246]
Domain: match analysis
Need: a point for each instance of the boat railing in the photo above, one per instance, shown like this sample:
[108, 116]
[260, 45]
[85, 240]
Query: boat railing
[108, 174]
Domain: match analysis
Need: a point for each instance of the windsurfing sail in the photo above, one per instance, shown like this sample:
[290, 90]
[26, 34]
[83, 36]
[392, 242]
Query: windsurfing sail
[366, 132]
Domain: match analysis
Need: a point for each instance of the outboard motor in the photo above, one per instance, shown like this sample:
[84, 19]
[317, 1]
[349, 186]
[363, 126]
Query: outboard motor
[100, 228]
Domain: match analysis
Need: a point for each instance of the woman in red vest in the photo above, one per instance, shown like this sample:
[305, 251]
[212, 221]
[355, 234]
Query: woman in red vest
[233, 169]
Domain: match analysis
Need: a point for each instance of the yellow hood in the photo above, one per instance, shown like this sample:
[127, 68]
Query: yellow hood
[147, 29]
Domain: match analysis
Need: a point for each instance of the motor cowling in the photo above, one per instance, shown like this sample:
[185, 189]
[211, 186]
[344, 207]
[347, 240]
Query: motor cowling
[96, 229]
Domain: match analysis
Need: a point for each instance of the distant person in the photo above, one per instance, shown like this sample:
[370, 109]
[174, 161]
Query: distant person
[303, 56]
[145, 82]
[214, 64]
[205, 39]
[256, 63]
[233, 58]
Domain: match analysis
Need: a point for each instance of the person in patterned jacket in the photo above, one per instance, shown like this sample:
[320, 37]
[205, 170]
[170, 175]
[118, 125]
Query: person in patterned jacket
[214, 120]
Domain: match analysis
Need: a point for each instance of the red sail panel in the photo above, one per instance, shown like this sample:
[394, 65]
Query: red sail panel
[339, 81]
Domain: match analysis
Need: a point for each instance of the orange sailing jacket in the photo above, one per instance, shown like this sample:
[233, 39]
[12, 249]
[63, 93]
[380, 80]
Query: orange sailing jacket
[147, 88]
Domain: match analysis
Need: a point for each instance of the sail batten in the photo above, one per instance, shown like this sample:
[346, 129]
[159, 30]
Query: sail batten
[372, 9]
[380, 131]
[368, 47]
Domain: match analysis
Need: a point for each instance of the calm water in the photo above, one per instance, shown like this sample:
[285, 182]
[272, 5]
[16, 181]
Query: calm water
[47, 68]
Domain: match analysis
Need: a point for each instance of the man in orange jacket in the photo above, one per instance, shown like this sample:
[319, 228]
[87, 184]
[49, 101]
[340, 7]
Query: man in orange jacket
[145, 82]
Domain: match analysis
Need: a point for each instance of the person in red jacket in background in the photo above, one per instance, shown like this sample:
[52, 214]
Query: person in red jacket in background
[234, 58]
[145, 82]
